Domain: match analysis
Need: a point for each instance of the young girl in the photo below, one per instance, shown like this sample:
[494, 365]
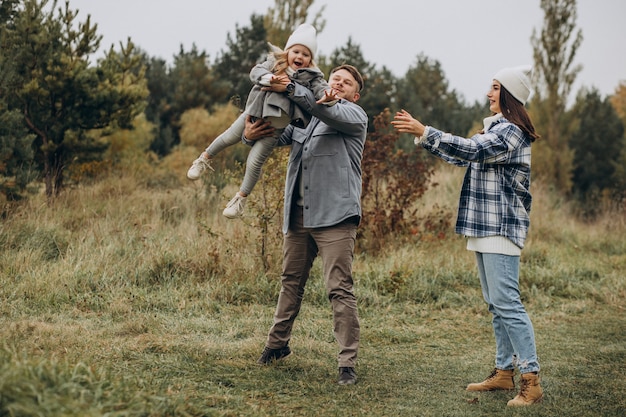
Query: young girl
[494, 215]
[295, 62]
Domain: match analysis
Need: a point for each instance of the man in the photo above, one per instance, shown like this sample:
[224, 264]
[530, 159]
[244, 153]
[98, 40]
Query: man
[322, 210]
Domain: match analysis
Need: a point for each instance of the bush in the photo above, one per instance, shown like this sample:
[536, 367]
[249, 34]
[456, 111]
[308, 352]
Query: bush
[393, 181]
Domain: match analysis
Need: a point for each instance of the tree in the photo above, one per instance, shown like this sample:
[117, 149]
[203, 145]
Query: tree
[618, 101]
[191, 83]
[8, 9]
[195, 84]
[379, 85]
[234, 65]
[159, 108]
[379, 93]
[47, 77]
[16, 154]
[597, 144]
[554, 51]
[424, 92]
[281, 20]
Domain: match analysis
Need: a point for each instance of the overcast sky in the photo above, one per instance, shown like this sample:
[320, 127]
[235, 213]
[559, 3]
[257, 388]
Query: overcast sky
[472, 39]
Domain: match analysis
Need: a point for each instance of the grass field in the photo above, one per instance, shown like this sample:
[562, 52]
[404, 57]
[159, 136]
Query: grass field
[122, 300]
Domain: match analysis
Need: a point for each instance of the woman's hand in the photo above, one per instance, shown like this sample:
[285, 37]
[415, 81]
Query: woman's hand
[258, 129]
[405, 123]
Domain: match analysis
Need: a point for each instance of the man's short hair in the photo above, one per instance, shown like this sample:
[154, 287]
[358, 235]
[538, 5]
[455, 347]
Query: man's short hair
[353, 71]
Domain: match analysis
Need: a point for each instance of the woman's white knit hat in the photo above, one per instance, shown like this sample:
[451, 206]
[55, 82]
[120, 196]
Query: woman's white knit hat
[306, 35]
[516, 80]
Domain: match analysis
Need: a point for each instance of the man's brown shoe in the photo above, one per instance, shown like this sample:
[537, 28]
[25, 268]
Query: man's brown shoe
[498, 380]
[530, 391]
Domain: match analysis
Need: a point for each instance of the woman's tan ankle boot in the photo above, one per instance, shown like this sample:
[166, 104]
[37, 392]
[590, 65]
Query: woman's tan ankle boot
[498, 380]
[530, 391]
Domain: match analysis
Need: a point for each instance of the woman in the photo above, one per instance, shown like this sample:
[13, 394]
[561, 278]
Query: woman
[493, 214]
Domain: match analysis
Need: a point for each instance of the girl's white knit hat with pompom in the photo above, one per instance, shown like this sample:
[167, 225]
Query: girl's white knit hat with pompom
[306, 35]
[516, 80]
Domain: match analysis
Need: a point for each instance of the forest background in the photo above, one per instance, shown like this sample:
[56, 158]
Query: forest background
[111, 260]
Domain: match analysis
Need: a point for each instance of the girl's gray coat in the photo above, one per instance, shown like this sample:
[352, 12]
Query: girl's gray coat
[263, 104]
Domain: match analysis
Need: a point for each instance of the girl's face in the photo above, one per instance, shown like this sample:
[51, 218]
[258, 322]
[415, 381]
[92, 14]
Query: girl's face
[299, 56]
[494, 97]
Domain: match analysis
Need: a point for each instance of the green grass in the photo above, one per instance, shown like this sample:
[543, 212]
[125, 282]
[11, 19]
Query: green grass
[119, 300]
[414, 360]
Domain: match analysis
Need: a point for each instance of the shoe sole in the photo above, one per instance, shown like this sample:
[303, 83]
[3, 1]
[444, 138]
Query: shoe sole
[352, 382]
[489, 390]
[282, 358]
[228, 216]
[537, 401]
[193, 178]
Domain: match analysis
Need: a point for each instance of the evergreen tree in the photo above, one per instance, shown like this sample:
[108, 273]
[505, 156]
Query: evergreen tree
[597, 144]
[189, 84]
[234, 65]
[424, 92]
[379, 85]
[159, 109]
[195, 84]
[47, 78]
[379, 93]
[16, 154]
[618, 100]
[8, 9]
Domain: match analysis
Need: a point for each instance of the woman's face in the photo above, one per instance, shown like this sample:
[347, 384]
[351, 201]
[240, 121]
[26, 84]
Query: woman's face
[298, 56]
[494, 97]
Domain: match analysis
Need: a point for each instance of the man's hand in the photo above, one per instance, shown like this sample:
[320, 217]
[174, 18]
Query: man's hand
[258, 129]
[330, 96]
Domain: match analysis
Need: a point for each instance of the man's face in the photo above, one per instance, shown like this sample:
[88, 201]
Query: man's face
[345, 85]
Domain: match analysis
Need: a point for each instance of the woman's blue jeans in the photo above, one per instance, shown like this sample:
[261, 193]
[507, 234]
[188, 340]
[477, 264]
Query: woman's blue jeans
[513, 330]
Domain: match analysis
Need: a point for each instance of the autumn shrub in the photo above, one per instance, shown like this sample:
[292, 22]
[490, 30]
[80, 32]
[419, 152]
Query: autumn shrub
[393, 181]
[198, 129]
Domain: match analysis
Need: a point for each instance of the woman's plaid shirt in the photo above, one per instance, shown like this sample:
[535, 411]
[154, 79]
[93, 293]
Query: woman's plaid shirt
[495, 197]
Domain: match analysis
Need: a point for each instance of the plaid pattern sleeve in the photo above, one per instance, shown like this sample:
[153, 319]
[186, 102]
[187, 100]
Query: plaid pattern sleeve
[495, 198]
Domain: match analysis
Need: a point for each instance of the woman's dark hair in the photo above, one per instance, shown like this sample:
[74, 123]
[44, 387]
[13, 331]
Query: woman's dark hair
[516, 113]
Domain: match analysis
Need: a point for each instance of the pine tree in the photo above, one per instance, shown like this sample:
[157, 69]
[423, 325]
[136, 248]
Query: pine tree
[245, 51]
[48, 79]
[424, 92]
[597, 143]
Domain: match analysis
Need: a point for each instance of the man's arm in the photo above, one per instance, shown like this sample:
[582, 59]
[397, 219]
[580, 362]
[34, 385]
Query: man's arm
[345, 116]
